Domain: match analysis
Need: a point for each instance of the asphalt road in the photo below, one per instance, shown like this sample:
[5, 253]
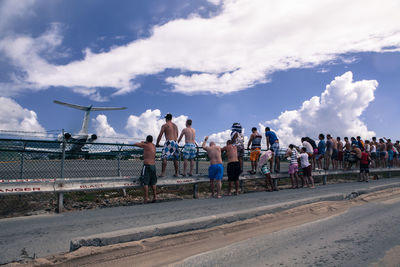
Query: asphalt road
[45, 235]
[360, 237]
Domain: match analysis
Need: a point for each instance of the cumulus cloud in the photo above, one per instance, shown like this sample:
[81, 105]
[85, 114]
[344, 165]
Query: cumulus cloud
[220, 138]
[149, 123]
[137, 127]
[231, 51]
[13, 117]
[105, 131]
[337, 111]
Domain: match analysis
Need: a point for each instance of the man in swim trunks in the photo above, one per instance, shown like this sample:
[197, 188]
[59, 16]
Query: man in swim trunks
[216, 169]
[382, 153]
[340, 153]
[148, 175]
[328, 151]
[233, 166]
[334, 157]
[321, 150]
[170, 149]
[347, 149]
[390, 153]
[255, 142]
[273, 143]
[190, 148]
[238, 141]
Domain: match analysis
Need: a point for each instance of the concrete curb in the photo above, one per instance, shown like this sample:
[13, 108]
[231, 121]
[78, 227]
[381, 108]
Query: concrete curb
[134, 234]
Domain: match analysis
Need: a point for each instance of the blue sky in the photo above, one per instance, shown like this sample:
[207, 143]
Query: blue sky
[216, 62]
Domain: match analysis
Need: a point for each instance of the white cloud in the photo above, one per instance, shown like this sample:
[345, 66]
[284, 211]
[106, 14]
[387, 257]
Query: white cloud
[236, 49]
[13, 117]
[220, 138]
[104, 131]
[337, 111]
[11, 10]
[149, 123]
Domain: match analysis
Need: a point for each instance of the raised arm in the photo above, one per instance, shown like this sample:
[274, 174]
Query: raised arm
[204, 146]
[160, 135]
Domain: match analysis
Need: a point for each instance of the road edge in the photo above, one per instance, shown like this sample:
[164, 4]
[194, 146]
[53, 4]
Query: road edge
[138, 233]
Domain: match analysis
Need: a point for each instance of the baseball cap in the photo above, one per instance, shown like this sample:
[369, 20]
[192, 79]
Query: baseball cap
[168, 116]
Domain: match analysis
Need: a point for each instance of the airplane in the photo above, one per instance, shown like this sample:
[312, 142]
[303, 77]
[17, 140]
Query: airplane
[82, 138]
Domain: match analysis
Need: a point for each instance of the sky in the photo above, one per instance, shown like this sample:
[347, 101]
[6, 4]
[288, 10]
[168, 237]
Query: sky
[301, 68]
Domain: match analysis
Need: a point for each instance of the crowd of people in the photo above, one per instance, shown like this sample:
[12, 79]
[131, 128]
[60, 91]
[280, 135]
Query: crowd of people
[328, 153]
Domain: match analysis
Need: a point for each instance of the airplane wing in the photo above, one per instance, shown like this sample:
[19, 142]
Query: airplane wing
[71, 105]
[87, 108]
[107, 108]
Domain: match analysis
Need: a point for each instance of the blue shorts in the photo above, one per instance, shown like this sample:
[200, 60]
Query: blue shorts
[189, 151]
[390, 155]
[216, 171]
[319, 156]
[275, 148]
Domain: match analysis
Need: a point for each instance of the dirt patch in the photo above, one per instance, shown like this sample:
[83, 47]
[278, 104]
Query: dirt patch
[391, 258]
[174, 248]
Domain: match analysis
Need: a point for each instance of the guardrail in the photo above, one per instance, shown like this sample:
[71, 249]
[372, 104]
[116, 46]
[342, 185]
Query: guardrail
[63, 185]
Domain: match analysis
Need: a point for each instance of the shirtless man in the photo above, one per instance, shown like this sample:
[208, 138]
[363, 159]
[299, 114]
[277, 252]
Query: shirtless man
[148, 175]
[329, 151]
[170, 149]
[190, 148]
[382, 153]
[375, 157]
[216, 169]
[347, 149]
[255, 142]
[334, 153]
[355, 155]
[233, 166]
[390, 153]
[340, 153]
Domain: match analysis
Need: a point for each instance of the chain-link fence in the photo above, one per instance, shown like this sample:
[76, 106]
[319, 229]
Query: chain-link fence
[35, 159]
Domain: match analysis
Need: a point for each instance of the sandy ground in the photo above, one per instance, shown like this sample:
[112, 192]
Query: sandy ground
[171, 249]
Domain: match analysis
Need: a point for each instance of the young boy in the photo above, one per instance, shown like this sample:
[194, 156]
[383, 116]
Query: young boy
[148, 174]
[263, 162]
[306, 166]
[216, 169]
[255, 141]
[233, 166]
[293, 167]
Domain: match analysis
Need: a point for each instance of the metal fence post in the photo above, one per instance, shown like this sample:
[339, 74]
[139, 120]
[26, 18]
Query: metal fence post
[325, 179]
[197, 161]
[21, 170]
[196, 190]
[60, 201]
[119, 168]
[119, 161]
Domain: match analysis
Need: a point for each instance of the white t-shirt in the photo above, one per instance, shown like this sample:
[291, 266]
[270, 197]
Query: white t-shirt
[304, 160]
[308, 147]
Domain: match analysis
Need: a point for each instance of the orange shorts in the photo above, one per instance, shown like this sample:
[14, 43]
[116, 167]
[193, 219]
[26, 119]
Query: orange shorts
[255, 154]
